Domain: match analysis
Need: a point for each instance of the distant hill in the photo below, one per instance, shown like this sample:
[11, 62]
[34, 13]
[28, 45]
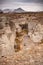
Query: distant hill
[19, 10]
[6, 10]
[1, 11]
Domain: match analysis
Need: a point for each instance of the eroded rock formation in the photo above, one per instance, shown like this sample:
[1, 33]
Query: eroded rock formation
[20, 33]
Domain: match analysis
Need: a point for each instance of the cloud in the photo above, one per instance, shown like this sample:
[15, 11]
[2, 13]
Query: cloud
[28, 5]
[24, 1]
[40, 1]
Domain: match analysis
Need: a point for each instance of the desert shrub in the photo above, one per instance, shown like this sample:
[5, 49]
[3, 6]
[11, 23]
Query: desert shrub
[17, 46]
[24, 26]
[18, 34]
[25, 31]
[0, 20]
[1, 26]
[42, 41]
[11, 25]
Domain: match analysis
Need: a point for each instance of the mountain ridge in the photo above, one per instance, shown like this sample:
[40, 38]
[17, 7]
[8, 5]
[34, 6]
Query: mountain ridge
[18, 10]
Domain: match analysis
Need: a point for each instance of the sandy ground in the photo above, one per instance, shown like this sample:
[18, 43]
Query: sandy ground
[31, 53]
[30, 56]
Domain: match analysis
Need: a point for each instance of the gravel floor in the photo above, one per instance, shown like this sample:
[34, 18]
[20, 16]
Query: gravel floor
[32, 56]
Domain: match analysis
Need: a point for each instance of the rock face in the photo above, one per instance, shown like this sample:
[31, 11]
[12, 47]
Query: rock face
[35, 32]
[8, 29]
[21, 39]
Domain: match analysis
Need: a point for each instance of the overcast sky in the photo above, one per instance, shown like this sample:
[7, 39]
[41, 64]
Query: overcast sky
[28, 5]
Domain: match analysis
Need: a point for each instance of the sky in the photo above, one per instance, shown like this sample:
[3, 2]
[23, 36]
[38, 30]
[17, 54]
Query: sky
[28, 5]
